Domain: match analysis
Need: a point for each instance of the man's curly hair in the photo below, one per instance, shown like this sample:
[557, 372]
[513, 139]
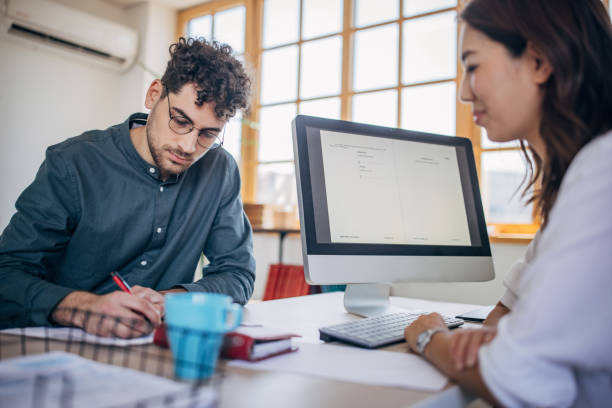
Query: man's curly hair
[217, 75]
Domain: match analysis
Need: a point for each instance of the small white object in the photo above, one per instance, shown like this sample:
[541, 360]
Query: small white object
[161, 189]
[152, 170]
[143, 263]
[159, 230]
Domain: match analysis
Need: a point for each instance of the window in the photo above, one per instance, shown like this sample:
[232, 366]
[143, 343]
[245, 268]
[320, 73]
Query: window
[385, 62]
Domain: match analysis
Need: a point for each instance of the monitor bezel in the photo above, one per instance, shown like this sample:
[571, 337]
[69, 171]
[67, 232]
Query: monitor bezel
[302, 163]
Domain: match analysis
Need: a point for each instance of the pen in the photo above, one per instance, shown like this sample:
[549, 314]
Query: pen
[121, 282]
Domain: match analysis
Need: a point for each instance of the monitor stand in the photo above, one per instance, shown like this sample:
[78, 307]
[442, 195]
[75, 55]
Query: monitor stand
[368, 299]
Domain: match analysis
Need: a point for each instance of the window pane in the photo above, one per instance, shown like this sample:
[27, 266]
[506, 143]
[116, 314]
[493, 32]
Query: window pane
[279, 75]
[485, 143]
[276, 184]
[375, 64]
[430, 48]
[377, 108]
[233, 136]
[321, 17]
[502, 173]
[200, 27]
[321, 67]
[414, 7]
[280, 22]
[369, 12]
[229, 28]
[326, 108]
[275, 142]
[430, 108]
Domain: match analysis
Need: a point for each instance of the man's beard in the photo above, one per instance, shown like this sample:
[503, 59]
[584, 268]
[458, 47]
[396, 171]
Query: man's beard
[157, 152]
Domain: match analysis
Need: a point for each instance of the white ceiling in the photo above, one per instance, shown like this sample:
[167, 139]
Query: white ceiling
[175, 4]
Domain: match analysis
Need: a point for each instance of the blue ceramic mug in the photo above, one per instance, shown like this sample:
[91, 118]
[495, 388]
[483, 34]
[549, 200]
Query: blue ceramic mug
[196, 323]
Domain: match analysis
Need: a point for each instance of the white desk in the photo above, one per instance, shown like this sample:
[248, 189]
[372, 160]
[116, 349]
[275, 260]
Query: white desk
[305, 315]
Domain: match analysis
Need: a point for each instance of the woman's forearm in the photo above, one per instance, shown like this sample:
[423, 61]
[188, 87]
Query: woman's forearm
[497, 313]
[438, 352]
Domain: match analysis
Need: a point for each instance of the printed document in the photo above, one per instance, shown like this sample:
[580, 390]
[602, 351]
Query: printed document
[77, 335]
[374, 367]
[59, 379]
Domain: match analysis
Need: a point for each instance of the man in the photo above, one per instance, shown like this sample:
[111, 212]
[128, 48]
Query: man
[145, 198]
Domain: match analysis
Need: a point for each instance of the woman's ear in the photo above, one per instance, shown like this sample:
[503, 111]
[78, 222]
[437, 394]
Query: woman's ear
[540, 67]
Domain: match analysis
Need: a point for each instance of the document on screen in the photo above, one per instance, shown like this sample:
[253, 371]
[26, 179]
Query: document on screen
[392, 191]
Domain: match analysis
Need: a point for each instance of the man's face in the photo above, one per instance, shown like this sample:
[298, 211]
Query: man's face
[173, 153]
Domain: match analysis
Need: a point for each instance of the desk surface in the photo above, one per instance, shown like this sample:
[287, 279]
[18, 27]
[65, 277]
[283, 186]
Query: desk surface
[304, 315]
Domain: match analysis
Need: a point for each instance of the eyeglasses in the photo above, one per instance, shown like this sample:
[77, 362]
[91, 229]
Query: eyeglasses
[181, 125]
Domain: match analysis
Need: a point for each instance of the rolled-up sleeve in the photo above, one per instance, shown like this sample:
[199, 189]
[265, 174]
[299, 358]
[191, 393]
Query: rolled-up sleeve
[32, 243]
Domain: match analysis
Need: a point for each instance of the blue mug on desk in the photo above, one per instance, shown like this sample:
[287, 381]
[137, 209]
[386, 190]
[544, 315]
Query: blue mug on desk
[196, 324]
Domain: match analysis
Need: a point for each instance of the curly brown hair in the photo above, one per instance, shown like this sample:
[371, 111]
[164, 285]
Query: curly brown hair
[576, 37]
[217, 75]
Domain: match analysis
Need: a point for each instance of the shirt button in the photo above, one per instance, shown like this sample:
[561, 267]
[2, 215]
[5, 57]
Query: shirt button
[143, 263]
[152, 170]
[159, 230]
[161, 189]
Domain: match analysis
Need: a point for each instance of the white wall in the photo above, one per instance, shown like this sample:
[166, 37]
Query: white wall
[50, 95]
[266, 252]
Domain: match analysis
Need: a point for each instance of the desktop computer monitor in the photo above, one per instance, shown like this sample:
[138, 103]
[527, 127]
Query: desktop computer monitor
[381, 205]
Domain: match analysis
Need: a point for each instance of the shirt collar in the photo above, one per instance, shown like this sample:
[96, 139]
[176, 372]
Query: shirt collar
[126, 145]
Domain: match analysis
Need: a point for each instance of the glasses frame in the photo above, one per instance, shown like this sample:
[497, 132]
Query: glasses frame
[219, 139]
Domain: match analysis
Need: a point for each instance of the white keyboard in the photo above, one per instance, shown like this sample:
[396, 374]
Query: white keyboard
[376, 331]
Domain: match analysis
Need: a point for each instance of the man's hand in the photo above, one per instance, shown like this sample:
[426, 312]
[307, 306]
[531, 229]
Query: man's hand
[156, 298]
[117, 314]
[465, 344]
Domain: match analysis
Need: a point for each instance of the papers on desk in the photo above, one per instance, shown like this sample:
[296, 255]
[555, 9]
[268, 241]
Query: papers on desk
[76, 335]
[61, 379]
[374, 367]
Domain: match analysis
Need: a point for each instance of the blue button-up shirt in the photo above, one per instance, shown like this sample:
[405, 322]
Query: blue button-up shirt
[96, 206]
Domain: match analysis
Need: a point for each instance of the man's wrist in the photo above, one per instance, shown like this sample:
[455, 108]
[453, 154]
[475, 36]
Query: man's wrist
[69, 311]
[177, 289]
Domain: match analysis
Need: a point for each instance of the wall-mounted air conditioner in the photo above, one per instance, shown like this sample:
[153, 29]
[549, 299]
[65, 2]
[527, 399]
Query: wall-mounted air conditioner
[55, 25]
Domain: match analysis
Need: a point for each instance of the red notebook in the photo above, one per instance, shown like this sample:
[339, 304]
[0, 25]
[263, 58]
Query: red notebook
[254, 343]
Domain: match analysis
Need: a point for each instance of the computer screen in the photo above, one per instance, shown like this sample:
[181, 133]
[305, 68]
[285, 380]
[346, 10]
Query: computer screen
[384, 205]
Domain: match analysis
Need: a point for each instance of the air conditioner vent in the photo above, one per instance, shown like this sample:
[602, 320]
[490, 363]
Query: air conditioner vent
[22, 31]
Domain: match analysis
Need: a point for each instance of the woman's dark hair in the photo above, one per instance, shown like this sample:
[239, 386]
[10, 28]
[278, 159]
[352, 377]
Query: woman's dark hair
[217, 75]
[576, 38]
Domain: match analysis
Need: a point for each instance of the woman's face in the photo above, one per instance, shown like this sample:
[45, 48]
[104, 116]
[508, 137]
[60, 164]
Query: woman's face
[504, 92]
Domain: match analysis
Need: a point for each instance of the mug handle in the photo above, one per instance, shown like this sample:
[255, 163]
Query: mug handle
[236, 311]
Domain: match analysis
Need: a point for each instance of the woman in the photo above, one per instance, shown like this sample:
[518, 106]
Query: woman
[539, 71]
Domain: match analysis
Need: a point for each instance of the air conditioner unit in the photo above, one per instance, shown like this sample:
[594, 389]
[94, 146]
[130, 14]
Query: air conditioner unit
[55, 25]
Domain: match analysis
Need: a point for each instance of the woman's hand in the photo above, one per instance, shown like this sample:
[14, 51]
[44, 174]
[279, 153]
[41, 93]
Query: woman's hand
[465, 344]
[425, 322]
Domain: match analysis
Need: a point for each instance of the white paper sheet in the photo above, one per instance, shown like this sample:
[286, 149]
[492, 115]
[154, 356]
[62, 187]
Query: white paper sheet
[374, 367]
[75, 334]
[61, 379]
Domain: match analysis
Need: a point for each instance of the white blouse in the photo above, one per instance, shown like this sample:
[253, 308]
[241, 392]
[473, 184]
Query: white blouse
[554, 349]
[513, 276]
